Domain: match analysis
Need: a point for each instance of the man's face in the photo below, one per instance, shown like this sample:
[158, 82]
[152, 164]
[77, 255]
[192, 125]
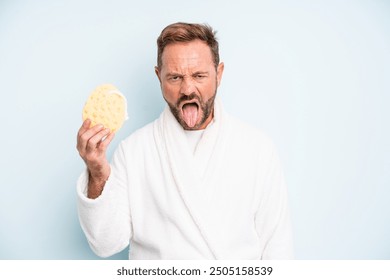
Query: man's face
[189, 82]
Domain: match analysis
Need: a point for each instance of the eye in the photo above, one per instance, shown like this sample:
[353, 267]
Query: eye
[200, 76]
[174, 78]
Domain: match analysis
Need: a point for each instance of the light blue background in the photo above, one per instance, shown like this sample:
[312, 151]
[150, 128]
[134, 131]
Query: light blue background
[314, 75]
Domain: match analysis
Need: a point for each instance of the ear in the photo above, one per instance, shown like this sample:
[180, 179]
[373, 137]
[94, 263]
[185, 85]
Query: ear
[157, 71]
[220, 68]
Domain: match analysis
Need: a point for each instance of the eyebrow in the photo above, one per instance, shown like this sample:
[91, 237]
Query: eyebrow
[173, 74]
[201, 73]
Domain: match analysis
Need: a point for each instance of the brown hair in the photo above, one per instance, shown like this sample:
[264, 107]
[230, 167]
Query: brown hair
[187, 32]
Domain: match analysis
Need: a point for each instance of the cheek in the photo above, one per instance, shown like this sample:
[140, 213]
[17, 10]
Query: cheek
[171, 93]
[210, 88]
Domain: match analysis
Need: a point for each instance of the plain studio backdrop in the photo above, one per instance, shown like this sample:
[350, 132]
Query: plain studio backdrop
[315, 75]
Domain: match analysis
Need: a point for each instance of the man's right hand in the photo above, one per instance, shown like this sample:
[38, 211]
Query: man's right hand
[92, 144]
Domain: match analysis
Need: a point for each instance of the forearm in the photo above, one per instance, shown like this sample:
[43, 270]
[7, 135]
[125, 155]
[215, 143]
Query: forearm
[106, 219]
[97, 182]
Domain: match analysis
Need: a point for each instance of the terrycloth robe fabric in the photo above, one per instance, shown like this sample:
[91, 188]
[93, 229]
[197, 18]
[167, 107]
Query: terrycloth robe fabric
[227, 200]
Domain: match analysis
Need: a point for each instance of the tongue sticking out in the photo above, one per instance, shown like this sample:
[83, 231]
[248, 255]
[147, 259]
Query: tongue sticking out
[190, 114]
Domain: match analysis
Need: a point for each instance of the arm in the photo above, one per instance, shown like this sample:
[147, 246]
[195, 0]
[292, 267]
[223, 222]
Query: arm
[92, 150]
[273, 222]
[103, 207]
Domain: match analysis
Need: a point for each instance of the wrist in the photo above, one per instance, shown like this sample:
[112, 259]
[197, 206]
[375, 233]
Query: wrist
[96, 183]
[99, 173]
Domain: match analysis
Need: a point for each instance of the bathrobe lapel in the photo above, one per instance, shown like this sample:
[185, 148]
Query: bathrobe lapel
[194, 174]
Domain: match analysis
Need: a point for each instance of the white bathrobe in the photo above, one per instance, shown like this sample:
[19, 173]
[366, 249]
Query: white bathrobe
[227, 200]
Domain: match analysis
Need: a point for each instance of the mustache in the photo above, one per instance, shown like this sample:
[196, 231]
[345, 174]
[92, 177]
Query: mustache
[189, 97]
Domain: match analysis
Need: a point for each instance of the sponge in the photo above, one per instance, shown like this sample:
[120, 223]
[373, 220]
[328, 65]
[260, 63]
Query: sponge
[106, 106]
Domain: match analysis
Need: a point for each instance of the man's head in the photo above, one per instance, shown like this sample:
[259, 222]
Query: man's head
[189, 72]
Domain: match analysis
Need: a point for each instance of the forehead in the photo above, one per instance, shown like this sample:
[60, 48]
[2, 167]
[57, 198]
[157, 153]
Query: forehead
[187, 54]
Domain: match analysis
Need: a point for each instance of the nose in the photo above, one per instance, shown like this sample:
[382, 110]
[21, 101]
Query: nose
[187, 86]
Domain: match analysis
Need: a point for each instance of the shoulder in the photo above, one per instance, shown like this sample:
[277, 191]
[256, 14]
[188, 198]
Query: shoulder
[140, 136]
[257, 145]
[248, 134]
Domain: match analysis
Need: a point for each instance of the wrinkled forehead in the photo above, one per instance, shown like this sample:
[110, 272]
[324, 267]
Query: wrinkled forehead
[191, 53]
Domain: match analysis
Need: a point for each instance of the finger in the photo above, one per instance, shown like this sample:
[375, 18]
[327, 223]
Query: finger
[103, 145]
[80, 143]
[90, 133]
[96, 139]
[84, 127]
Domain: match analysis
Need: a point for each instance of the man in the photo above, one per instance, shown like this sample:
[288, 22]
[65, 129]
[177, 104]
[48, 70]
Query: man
[194, 184]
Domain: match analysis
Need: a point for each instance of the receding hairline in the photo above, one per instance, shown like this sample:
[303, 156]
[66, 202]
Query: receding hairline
[187, 43]
[182, 32]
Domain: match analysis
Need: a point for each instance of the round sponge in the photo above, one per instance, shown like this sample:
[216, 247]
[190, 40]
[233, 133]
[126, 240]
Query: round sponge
[106, 106]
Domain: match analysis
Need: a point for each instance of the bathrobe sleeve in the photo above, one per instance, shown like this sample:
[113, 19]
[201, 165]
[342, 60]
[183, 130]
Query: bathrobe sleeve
[272, 220]
[106, 220]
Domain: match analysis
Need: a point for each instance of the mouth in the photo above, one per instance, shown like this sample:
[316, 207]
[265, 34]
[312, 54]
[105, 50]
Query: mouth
[190, 112]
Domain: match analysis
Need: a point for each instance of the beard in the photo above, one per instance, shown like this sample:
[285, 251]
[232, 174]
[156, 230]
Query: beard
[205, 109]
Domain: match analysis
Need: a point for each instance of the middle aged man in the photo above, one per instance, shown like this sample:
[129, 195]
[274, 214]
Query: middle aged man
[194, 184]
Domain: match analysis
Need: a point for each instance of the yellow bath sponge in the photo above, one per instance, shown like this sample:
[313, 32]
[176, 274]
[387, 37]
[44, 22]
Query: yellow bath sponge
[107, 106]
